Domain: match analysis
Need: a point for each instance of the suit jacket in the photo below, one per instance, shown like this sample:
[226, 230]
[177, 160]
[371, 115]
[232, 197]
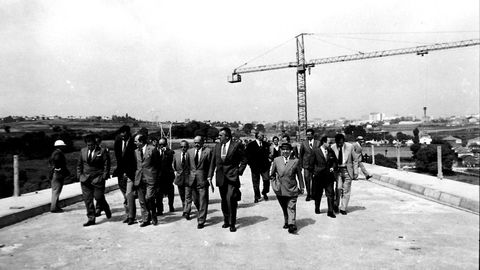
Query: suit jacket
[357, 148]
[200, 172]
[322, 164]
[126, 159]
[231, 168]
[182, 172]
[306, 153]
[273, 152]
[349, 157]
[96, 170]
[166, 173]
[147, 168]
[283, 177]
[58, 163]
[257, 157]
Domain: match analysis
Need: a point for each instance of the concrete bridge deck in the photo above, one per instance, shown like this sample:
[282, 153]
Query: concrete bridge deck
[384, 229]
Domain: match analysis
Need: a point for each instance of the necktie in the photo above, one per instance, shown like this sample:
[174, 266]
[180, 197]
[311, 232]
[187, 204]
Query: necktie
[141, 153]
[311, 145]
[196, 157]
[183, 160]
[124, 145]
[224, 151]
[340, 156]
[89, 156]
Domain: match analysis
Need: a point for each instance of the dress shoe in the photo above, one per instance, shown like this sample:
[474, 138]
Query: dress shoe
[256, 200]
[200, 226]
[89, 223]
[265, 197]
[343, 212]
[145, 223]
[58, 210]
[233, 229]
[172, 209]
[225, 225]
[98, 213]
[285, 226]
[108, 214]
[368, 177]
[331, 214]
[155, 221]
[187, 216]
[131, 221]
[317, 211]
[292, 228]
[308, 198]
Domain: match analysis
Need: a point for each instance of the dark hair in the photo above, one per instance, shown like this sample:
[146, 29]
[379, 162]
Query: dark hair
[142, 138]
[184, 141]
[90, 137]
[339, 137]
[323, 140]
[310, 130]
[275, 137]
[228, 132]
[124, 128]
[286, 136]
[153, 138]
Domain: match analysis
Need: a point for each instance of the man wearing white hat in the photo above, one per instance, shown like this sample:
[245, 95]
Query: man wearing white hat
[58, 174]
[357, 147]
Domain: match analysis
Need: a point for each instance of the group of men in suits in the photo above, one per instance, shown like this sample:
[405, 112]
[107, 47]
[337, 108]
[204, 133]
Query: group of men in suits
[325, 166]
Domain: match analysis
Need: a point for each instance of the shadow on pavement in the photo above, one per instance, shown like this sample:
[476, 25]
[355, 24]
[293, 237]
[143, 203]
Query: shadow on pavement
[214, 201]
[356, 208]
[246, 205]
[247, 221]
[213, 221]
[304, 222]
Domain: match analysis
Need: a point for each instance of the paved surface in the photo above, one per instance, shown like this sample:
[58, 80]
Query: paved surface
[384, 229]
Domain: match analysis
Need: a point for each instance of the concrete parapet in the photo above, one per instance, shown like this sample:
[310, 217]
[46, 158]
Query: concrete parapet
[450, 192]
[16, 209]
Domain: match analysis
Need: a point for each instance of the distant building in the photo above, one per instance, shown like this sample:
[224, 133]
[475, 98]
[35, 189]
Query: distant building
[376, 117]
[474, 141]
[452, 140]
[425, 139]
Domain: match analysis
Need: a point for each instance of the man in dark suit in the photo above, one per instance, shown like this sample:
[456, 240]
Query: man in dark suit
[182, 171]
[124, 148]
[92, 170]
[228, 164]
[257, 153]
[324, 162]
[305, 156]
[199, 159]
[166, 176]
[146, 177]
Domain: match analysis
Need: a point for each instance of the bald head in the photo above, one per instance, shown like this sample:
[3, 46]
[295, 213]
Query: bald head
[198, 141]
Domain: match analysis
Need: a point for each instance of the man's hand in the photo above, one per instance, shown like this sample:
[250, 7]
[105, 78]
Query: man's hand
[331, 169]
[211, 184]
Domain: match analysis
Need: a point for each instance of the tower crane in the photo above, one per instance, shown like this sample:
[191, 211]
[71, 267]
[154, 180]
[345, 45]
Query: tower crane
[302, 65]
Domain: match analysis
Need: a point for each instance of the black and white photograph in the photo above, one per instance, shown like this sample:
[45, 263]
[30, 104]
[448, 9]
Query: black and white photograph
[142, 134]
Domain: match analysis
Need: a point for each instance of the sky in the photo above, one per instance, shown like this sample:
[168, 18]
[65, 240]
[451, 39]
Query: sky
[169, 60]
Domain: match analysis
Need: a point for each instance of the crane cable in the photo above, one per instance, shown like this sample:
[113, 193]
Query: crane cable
[265, 53]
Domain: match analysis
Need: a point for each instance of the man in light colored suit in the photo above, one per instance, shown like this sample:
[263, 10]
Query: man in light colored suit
[347, 171]
[305, 156]
[359, 152]
[228, 163]
[200, 158]
[182, 170]
[92, 170]
[146, 177]
[284, 173]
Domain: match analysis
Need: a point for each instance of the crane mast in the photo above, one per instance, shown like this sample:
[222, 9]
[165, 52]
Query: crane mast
[302, 65]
